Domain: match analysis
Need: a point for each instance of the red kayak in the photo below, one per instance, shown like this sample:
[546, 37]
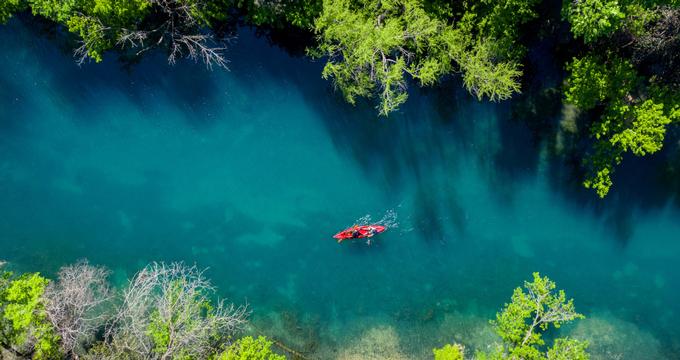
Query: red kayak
[359, 232]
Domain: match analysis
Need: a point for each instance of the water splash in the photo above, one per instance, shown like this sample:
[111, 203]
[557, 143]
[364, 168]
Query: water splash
[364, 220]
[389, 220]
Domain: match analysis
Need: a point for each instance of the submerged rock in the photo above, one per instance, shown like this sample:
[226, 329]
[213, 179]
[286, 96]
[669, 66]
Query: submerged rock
[378, 343]
[613, 338]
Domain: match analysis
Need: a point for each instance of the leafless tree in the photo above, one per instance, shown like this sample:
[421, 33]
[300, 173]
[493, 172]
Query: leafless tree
[74, 303]
[180, 32]
[659, 45]
[173, 297]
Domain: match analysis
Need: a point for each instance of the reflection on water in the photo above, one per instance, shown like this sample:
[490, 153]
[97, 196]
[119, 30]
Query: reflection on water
[251, 172]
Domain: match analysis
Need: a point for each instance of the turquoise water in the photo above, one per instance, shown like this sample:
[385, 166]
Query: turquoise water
[250, 172]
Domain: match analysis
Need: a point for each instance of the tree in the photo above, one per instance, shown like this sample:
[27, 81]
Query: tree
[568, 349]
[141, 25]
[24, 326]
[656, 42]
[639, 129]
[497, 22]
[521, 324]
[248, 348]
[484, 78]
[281, 13]
[166, 313]
[449, 352]
[593, 81]
[531, 312]
[630, 123]
[593, 19]
[74, 305]
[374, 47]
[180, 30]
[9, 7]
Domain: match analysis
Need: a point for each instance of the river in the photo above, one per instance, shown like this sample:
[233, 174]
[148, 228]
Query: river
[250, 172]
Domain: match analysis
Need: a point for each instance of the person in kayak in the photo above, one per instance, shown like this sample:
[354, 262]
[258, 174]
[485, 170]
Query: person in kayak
[356, 233]
[366, 232]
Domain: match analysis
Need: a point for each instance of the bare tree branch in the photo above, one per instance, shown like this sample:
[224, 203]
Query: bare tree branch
[180, 32]
[176, 296]
[73, 304]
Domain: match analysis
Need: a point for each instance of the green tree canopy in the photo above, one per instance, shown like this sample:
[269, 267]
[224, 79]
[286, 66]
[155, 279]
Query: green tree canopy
[630, 123]
[532, 311]
[449, 352]
[593, 19]
[249, 348]
[8, 8]
[371, 45]
[24, 326]
[374, 47]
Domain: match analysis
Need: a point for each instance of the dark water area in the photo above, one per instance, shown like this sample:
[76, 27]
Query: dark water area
[250, 172]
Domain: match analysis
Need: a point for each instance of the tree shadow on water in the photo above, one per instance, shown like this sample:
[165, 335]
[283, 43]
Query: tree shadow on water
[417, 150]
[188, 87]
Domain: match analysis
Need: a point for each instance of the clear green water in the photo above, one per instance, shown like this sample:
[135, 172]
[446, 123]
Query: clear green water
[250, 173]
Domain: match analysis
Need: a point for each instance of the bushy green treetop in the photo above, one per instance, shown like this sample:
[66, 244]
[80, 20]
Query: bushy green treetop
[568, 349]
[281, 13]
[498, 22]
[374, 47]
[9, 7]
[249, 348]
[449, 352]
[532, 310]
[593, 19]
[521, 324]
[629, 122]
[23, 321]
[592, 81]
[97, 22]
[485, 78]
[371, 45]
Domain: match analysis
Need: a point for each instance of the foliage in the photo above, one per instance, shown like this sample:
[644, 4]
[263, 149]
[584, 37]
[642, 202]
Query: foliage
[9, 7]
[638, 128]
[532, 311]
[568, 349]
[281, 13]
[97, 22]
[623, 78]
[140, 25]
[165, 313]
[248, 348]
[629, 124]
[449, 352]
[593, 19]
[25, 326]
[498, 22]
[484, 78]
[166, 310]
[160, 327]
[592, 81]
[374, 47]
